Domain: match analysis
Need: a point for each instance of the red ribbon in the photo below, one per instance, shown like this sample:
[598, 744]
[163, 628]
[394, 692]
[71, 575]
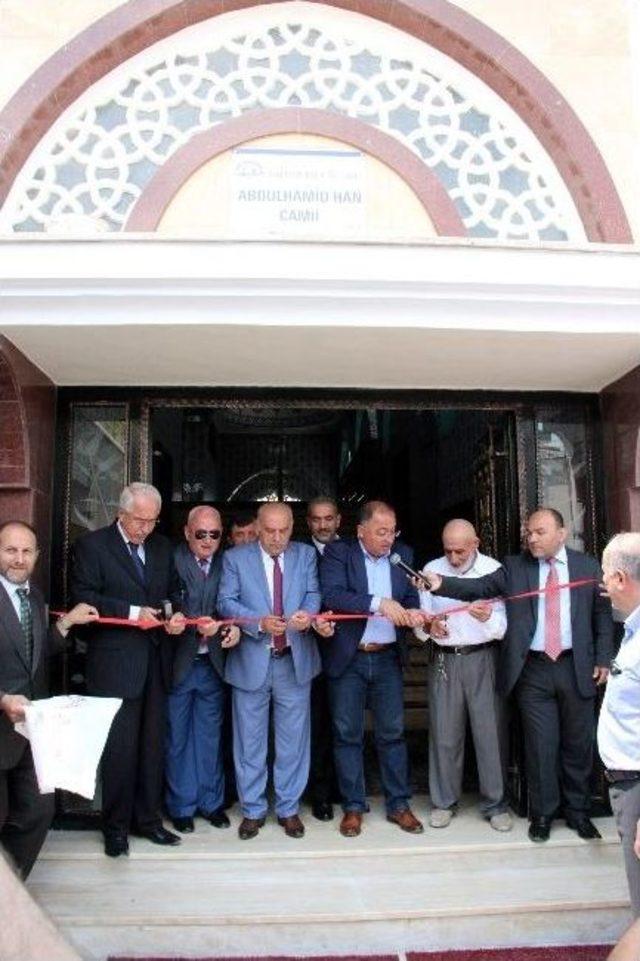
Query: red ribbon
[459, 608]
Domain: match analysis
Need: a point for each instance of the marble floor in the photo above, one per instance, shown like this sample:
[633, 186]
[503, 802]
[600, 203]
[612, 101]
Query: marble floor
[383, 892]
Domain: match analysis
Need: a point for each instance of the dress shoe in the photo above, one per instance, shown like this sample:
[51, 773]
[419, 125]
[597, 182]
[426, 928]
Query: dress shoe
[406, 820]
[584, 827]
[249, 828]
[539, 829]
[351, 824]
[184, 825]
[115, 845]
[322, 811]
[217, 819]
[160, 835]
[293, 826]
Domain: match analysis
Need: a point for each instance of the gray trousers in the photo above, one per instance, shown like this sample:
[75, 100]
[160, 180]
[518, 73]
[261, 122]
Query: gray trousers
[459, 685]
[625, 802]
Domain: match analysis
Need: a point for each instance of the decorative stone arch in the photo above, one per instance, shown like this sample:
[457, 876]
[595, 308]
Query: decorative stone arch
[148, 210]
[139, 23]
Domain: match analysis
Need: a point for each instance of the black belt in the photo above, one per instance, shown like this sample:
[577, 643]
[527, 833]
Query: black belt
[464, 649]
[283, 652]
[540, 654]
[613, 777]
[202, 656]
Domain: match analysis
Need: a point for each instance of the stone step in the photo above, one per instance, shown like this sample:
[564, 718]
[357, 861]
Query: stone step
[385, 891]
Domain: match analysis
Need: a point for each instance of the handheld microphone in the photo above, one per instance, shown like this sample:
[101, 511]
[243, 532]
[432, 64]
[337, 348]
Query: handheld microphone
[397, 561]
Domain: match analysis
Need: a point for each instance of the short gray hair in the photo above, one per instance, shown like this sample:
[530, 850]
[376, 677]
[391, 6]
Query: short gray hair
[138, 489]
[622, 553]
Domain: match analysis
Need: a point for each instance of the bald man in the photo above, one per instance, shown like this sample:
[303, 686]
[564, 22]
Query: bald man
[462, 682]
[272, 584]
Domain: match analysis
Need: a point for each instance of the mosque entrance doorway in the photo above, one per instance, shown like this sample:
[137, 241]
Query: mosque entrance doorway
[487, 458]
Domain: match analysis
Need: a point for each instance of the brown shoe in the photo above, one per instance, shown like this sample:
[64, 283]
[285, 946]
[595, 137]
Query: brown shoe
[406, 820]
[351, 824]
[293, 826]
[249, 828]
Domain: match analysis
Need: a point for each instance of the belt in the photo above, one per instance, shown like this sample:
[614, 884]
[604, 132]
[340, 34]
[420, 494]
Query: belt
[613, 777]
[542, 654]
[202, 656]
[464, 649]
[373, 648]
[283, 652]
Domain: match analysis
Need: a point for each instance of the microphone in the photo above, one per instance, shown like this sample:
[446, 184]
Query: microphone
[397, 561]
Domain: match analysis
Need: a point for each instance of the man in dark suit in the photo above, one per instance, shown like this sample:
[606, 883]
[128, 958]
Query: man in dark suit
[196, 704]
[323, 521]
[363, 662]
[126, 570]
[556, 650]
[25, 645]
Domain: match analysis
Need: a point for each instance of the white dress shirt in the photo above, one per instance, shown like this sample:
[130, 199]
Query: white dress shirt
[134, 609]
[464, 630]
[11, 589]
[267, 563]
[619, 724]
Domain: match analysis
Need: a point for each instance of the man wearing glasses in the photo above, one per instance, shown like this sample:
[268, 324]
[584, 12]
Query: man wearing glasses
[196, 703]
[126, 570]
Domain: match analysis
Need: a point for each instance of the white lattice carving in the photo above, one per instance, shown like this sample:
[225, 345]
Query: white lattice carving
[97, 158]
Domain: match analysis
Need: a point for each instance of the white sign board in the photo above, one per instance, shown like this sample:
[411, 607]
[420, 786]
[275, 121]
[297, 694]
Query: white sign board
[294, 194]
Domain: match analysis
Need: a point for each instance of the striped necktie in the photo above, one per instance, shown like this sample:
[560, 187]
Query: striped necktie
[137, 560]
[552, 634]
[26, 621]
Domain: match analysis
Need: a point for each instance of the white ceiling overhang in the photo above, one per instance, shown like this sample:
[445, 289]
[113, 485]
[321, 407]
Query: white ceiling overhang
[152, 312]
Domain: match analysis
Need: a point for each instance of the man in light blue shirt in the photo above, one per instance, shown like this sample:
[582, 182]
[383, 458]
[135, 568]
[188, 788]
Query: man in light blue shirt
[619, 725]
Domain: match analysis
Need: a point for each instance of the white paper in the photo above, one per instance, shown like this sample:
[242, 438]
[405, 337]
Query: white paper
[67, 736]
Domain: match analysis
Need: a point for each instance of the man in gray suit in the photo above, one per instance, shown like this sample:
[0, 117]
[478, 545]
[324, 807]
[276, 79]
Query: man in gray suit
[273, 584]
[25, 645]
[194, 768]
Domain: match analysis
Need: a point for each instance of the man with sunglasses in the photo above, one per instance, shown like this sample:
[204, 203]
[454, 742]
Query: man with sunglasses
[126, 570]
[196, 704]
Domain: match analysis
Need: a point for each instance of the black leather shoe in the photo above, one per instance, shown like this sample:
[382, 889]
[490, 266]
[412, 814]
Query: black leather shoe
[584, 828]
[540, 829]
[249, 828]
[218, 819]
[322, 811]
[115, 845]
[184, 825]
[160, 835]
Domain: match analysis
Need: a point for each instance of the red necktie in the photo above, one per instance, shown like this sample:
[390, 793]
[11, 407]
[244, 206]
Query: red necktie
[552, 639]
[279, 640]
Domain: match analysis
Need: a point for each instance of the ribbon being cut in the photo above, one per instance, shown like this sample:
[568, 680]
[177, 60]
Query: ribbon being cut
[67, 736]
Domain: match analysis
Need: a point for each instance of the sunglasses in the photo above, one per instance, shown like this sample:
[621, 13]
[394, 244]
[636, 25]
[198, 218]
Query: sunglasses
[214, 535]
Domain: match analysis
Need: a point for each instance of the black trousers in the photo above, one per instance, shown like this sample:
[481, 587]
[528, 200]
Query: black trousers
[322, 786]
[559, 731]
[133, 759]
[25, 814]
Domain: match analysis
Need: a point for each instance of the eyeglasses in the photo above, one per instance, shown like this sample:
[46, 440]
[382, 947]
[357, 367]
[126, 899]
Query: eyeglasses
[201, 535]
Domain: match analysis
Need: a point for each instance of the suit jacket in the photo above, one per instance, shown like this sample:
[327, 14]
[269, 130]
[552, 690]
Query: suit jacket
[244, 592]
[15, 675]
[199, 595]
[591, 622]
[105, 575]
[345, 590]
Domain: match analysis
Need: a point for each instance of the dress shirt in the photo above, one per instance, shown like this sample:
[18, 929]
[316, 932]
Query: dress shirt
[267, 563]
[319, 546]
[134, 609]
[11, 589]
[464, 630]
[378, 630]
[562, 567]
[619, 724]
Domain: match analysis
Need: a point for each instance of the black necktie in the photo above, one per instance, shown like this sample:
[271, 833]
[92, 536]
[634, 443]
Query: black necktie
[26, 620]
[137, 560]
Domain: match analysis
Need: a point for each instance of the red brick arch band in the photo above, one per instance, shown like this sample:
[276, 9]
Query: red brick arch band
[137, 24]
[150, 206]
